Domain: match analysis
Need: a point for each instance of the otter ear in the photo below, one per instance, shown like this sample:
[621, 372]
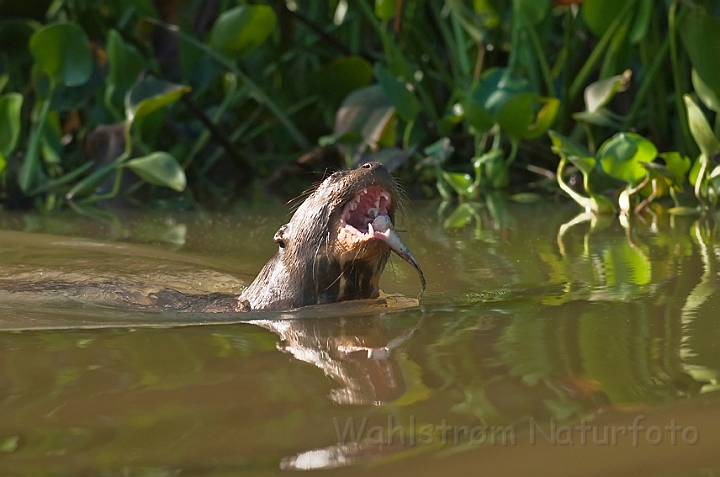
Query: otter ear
[279, 237]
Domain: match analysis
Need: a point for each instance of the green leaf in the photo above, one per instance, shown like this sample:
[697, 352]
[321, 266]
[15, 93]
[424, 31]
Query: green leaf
[367, 112]
[151, 94]
[700, 129]
[678, 164]
[534, 10]
[642, 20]
[439, 151]
[462, 183]
[385, 9]
[564, 147]
[10, 106]
[698, 32]
[621, 156]
[517, 114]
[405, 102]
[599, 93]
[125, 62]
[240, 30]
[705, 93]
[544, 118]
[62, 52]
[599, 14]
[460, 217]
[335, 81]
[159, 168]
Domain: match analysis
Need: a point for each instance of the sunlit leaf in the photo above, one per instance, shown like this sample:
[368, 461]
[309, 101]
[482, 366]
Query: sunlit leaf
[240, 30]
[159, 168]
[405, 102]
[700, 129]
[621, 156]
[678, 164]
[10, 106]
[544, 118]
[62, 52]
[695, 170]
[599, 93]
[575, 153]
[460, 182]
[151, 94]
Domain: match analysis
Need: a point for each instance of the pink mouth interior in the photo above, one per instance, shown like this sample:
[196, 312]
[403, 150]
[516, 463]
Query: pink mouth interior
[368, 204]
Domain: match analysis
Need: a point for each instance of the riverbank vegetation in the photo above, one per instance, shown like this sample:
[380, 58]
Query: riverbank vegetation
[193, 103]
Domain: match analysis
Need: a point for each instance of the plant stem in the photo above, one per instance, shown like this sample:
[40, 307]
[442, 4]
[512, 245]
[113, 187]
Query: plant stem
[31, 164]
[544, 67]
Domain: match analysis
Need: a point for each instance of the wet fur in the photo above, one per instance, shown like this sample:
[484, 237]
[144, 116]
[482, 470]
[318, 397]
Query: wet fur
[307, 269]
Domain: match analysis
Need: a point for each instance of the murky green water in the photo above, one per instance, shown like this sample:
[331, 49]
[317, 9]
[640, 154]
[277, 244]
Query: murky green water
[540, 348]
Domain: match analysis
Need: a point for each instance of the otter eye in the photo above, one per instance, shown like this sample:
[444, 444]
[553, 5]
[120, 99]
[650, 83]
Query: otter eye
[367, 165]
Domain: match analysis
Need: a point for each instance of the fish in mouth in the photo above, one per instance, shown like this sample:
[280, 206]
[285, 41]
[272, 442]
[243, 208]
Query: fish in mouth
[335, 246]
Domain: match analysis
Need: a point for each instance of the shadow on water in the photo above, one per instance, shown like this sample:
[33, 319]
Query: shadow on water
[545, 344]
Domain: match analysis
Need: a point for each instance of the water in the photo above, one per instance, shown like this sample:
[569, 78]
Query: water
[540, 347]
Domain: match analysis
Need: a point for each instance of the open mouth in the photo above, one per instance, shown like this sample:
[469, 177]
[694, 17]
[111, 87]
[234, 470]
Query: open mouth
[366, 217]
[367, 214]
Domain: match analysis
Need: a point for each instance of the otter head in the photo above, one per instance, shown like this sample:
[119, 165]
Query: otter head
[335, 246]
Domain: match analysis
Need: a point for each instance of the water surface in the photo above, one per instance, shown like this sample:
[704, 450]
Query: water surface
[541, 346]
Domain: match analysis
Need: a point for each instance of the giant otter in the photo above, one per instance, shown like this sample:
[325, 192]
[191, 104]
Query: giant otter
[336, 245]
[334, 248]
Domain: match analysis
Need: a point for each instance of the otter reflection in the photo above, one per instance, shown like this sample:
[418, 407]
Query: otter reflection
[359, 353]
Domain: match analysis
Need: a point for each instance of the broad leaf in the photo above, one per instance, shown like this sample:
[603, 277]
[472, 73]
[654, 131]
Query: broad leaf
[438, 152]
[700, 129]
[159, 168]
[149, 95]
[335, 81]
[599, 14]
[405, 102]
[700, 34]
[125, 62]
[240, 30]
[678, 164]
[462, 183]
[10, 106]
[366, 111]
[534, 10]
[710, 98]
[62, 52]
[621, 156]
[599, 93]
